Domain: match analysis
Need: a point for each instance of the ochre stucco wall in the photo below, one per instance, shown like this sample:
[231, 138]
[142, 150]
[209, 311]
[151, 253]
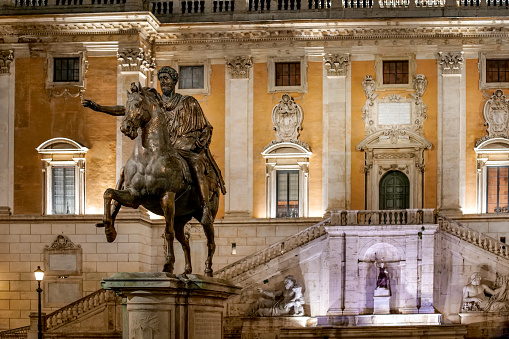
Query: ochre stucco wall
[40, 117]
[311, 103]
[359, 69]
[429, 69]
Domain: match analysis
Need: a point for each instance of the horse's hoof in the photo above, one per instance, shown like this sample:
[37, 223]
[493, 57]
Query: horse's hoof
[188, 271]
[208, 272]
[111, 234]
[99, 224]
[168, 268]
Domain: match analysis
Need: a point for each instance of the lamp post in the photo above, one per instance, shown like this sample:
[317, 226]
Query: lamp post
[39, 275]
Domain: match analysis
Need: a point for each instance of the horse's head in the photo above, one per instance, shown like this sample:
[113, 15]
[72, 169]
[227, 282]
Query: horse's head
[138, 111]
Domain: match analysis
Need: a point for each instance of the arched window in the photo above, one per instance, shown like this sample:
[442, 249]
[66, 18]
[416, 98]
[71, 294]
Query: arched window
[64, 176]
[394, 191]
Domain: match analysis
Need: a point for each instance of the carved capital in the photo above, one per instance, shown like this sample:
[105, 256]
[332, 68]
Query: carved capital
[135, 60]
[451, 63]
[336, 64]
[239, 67]
[6, 57]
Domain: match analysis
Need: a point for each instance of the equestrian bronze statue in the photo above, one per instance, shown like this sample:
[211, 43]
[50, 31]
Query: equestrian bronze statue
[171, 171]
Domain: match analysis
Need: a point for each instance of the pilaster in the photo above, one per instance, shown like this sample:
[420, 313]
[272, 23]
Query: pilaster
[336, 263]
[427, 270]
[410, 274]
[239, 138]
[7, 76]
[351, 274]
[451, 132]
[336, 137]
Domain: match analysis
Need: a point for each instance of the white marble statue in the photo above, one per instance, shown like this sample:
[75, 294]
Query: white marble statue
[475, 298]
[287, 302]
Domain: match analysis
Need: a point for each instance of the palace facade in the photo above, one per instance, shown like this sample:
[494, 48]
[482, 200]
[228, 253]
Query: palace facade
[375, 127]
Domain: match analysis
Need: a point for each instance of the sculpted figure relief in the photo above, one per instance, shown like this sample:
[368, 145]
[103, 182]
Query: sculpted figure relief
[287, 302]
[383, 276]
[475, 298]
[171, 171]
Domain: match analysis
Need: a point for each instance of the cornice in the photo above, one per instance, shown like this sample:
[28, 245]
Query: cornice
[31, 28]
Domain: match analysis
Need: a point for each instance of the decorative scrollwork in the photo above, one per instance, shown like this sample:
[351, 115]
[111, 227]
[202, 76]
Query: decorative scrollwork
[62, 243]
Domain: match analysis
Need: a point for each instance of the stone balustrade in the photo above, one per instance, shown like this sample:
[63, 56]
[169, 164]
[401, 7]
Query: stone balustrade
[275, 250]
[382, 217]
[249, 10]
[476, 238]
[73, 311]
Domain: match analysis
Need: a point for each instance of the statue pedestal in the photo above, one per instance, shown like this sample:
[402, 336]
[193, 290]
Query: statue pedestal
[381, 301]
[168, 306]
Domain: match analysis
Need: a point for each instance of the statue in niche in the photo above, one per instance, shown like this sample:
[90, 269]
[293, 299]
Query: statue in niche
[496, 113]
[382, 280]
[287, 119]
[475, 298]
[287, 302]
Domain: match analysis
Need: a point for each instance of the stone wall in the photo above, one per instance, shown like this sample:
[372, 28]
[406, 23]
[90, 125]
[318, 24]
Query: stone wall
[138, 247]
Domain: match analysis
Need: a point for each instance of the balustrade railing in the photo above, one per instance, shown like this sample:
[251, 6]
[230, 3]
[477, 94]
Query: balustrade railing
[15, 333]
[382, 217]
[472, 236]
[72, 311]
[275, 250]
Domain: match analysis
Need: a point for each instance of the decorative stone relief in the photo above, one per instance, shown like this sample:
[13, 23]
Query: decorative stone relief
[475, 299]
[451, 63]
[6, 58]
[63, 257]
[239, 67]
[337, 64]
[133, 60]
[496, 116]
[287, 118]
[394, 114]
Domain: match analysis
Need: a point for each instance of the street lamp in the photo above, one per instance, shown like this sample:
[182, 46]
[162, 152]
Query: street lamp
[39, 275]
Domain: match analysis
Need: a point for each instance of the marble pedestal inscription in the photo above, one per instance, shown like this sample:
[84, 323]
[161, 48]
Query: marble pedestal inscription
[163, 305]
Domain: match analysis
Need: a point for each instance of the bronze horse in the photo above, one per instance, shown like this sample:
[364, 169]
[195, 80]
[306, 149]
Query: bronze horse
[158, 178]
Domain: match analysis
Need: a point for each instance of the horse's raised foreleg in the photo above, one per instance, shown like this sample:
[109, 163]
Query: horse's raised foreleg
[116, 205]
[180, 223]
[168, 206]
[122, 197]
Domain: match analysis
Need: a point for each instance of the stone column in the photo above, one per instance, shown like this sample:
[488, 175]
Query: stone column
[133, 65]
[6, 131]
[336, 134]
[451, 133]
[351, 273]
[239, 138]
[335, 262]
[427, 268]
[410, 274]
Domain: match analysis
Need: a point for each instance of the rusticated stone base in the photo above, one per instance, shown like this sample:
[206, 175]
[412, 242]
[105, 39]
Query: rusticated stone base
[168, 306]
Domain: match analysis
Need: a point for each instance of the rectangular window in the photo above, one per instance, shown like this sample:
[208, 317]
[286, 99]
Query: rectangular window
[191, 77]
[497, 189]
[395, 72]
[287, 73]
[287, 192]
[63, 190]
[66, 70]
[497, 70]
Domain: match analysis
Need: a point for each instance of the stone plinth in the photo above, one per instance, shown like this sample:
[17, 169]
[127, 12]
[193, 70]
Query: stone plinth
[381, 299]
[162, 306]
[382, 320]
[270, 327]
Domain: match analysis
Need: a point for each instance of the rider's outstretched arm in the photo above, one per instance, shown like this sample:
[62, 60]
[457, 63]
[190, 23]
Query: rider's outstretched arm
[117, 110]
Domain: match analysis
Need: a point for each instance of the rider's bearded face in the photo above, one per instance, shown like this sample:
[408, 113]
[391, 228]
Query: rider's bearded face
[167, 84]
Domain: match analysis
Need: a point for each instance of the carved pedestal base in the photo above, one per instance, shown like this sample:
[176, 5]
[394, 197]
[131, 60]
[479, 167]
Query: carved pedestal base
[381, 301]
[164, 306]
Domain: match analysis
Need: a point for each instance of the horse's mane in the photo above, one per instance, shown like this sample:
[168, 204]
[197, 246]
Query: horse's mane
[152, 94]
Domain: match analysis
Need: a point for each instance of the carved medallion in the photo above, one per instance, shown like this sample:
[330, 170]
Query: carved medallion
[496, 116]
[287, 119]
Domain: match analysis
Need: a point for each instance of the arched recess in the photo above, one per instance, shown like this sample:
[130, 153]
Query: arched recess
[394, 150]
[492, 165]
[64, 176]
[283, 158]
[394, 191]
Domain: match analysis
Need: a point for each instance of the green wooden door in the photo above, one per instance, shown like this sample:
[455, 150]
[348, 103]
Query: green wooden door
[394, 191]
